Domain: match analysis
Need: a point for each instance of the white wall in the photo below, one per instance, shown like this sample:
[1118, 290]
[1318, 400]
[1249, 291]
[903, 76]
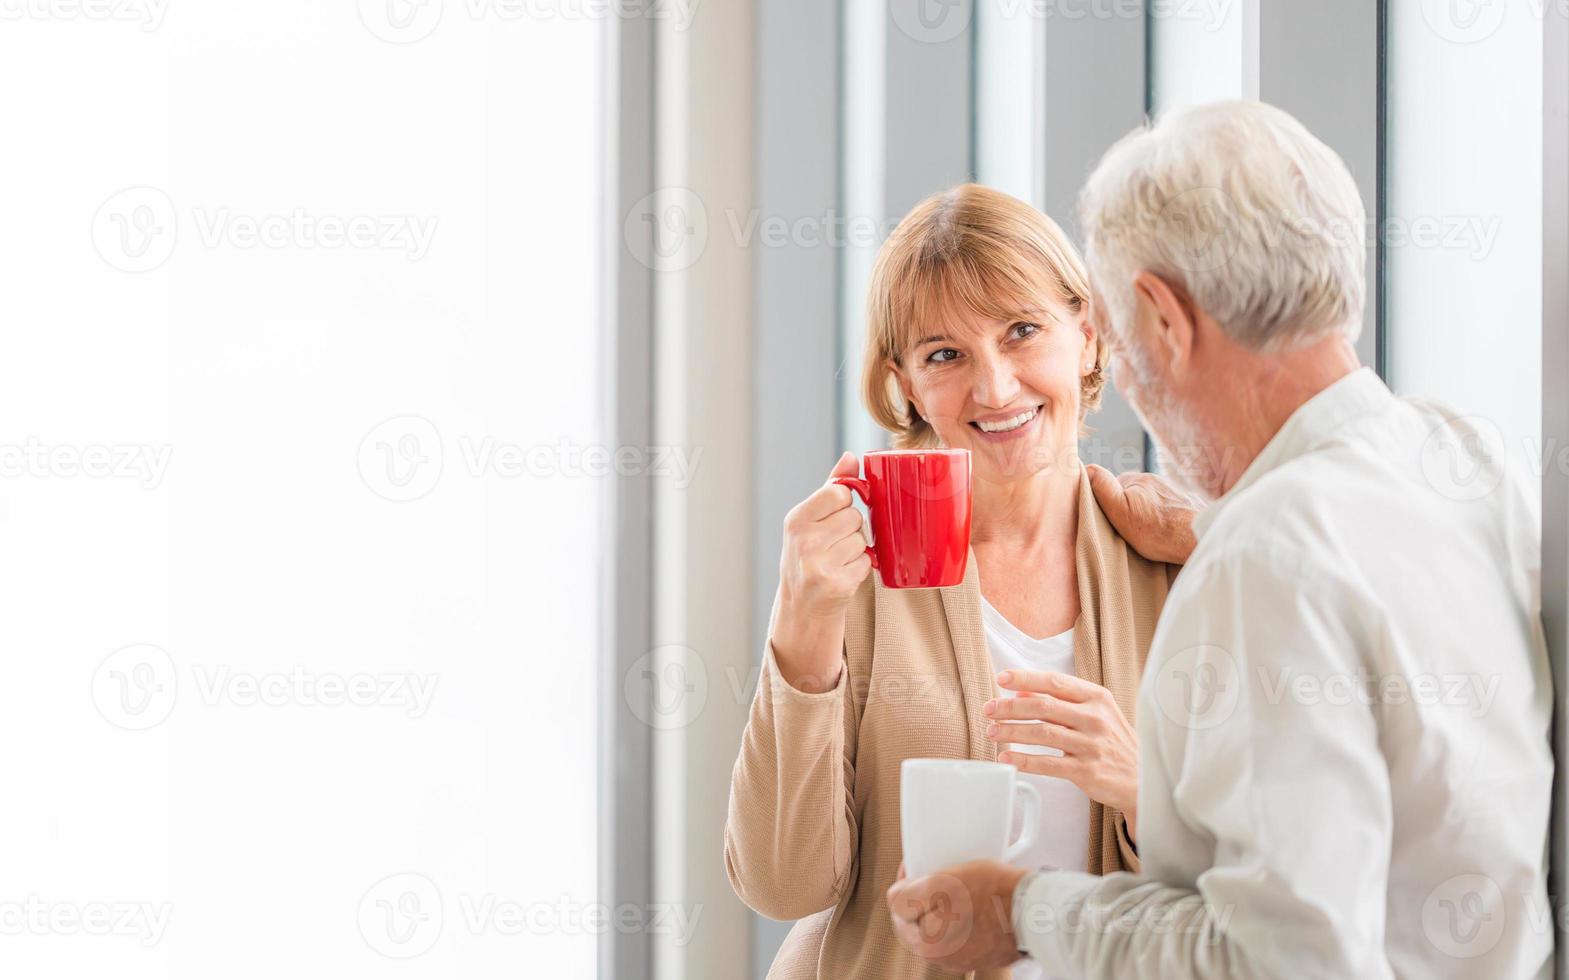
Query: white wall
[268, 548]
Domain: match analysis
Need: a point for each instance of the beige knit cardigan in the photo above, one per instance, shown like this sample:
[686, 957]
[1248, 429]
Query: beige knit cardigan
[813, 826]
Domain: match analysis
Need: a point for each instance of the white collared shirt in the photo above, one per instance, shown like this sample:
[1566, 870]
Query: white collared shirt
[1343, 723]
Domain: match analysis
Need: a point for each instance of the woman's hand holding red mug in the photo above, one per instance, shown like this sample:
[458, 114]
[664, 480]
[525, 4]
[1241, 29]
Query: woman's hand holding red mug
[821, 565]
[1100, 750]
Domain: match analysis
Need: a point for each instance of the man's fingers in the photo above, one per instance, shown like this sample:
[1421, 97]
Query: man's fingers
[1109, 491]
[908, 931]
[905, 894]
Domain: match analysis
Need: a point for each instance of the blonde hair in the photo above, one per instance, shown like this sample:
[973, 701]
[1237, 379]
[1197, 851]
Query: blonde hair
[969, 248]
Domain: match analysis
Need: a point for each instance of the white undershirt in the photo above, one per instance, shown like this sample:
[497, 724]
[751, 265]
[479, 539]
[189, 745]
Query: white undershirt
[1062, 838]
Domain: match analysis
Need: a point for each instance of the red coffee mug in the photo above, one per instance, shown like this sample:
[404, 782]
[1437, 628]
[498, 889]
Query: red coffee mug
[920, 505]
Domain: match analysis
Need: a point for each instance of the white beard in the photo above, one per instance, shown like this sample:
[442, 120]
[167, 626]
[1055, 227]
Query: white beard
[1182, 453]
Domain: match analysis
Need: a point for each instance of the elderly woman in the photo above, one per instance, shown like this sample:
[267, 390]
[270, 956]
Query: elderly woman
[977, 339]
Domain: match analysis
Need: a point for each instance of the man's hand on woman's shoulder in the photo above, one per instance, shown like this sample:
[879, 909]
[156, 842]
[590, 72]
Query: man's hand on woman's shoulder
[1153, 516]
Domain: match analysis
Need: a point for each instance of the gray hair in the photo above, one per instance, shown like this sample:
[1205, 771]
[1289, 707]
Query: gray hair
[1237, 204]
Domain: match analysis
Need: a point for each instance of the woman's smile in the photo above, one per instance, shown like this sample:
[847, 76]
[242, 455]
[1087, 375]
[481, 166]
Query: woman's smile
[1007, 426]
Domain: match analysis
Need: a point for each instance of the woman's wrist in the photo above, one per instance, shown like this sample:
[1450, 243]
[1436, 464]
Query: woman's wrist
[808, 647]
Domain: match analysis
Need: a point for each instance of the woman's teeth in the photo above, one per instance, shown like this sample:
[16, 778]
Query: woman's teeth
[1007, 425]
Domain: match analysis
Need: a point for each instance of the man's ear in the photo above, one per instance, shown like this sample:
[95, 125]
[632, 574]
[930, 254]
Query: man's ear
[1172, 318]
[904, 385]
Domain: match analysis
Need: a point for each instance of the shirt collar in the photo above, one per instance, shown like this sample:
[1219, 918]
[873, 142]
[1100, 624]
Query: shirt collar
[1313, 423]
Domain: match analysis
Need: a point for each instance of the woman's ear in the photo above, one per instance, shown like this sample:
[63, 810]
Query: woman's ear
[905, 388]
[1091, 353]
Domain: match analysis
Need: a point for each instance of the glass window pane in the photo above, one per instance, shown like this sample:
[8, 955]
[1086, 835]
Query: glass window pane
[321, 282]
[1463, 231]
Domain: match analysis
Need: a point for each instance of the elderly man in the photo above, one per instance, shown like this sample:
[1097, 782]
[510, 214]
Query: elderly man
[1343, 722]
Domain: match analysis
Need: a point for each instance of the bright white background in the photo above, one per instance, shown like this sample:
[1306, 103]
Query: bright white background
[1465, 195]
[268, 546]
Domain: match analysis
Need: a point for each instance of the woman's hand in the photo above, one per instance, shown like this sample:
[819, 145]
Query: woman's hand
[821, 565]
[1100, 751]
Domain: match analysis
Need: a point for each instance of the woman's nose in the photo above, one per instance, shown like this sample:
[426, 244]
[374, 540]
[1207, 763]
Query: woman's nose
[995, 382]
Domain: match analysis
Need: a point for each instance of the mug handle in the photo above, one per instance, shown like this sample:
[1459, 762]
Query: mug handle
[1032, 821]
[860, 486]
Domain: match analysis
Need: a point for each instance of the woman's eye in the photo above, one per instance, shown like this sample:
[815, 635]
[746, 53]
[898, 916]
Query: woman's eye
[1024, 331]
[942, 356]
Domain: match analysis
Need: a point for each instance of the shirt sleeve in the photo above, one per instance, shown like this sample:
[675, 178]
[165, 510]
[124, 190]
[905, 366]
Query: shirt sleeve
[790, 834]
[1255, 737]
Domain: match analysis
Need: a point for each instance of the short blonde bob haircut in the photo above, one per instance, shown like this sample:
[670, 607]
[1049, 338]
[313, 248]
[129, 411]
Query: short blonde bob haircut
[967, 249]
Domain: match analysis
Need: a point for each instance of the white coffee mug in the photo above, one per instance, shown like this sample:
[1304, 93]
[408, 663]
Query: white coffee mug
[957, 810]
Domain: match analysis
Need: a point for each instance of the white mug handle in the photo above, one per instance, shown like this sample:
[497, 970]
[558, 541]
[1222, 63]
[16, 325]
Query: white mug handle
[1032, 821]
